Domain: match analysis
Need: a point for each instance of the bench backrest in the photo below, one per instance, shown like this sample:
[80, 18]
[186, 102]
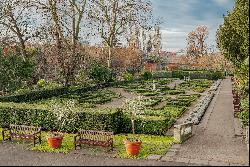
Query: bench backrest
[96, 135]
[24, 129]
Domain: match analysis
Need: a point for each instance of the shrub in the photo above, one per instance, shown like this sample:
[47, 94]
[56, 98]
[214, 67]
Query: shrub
[244, 117]
[41, 83]
[128, 76]
[147, 75]
[14, 113]
[99, 73]
[14, 71]
[162, 74]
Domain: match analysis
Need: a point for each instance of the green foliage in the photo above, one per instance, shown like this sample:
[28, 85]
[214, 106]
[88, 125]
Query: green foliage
[67, 144]
[34, 95]
[162, 74]
[197, 85]
[233, 41]
[38, 115]
[14, 71]
[128, 76]
[147, 75]
[99, 73]
[41, 83]
[244, 115]
[211, 75]
[151, 145]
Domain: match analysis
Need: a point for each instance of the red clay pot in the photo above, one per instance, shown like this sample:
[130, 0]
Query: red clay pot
[55, 142]
[132, 147]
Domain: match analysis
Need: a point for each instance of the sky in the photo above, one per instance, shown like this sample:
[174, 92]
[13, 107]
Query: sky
[182, 16]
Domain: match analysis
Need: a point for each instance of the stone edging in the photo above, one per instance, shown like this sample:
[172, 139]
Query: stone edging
[196, 115]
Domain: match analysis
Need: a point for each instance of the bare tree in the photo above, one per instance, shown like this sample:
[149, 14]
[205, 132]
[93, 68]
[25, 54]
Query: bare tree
[196, 40]
[15, 21]
[65, 18]
[113, 18]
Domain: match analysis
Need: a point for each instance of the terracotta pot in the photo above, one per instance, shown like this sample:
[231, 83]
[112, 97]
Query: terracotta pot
[132, 147]
[55, 142]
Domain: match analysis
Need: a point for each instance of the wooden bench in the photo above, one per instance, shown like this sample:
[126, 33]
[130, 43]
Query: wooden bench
[92, 137]
[22, 132]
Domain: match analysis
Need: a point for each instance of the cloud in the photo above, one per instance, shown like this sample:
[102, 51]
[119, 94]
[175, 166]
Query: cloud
[222, 2]
[183, 17]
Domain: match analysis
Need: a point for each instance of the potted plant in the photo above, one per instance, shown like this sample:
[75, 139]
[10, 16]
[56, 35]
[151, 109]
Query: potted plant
[55, 139]
[64, 115]
[133, 144]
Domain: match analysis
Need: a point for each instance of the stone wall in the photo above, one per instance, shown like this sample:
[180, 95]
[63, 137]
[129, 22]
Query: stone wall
[182, 132]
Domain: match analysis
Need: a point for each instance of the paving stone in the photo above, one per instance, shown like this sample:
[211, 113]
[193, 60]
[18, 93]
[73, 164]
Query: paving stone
[167, 158]
[173, 150]
[170, 153]
[199, 161]
[218, 163]
[186, 160]
[176, 146]
[154, 157]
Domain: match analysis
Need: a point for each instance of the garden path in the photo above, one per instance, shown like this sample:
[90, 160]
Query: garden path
[215, 138]
[117, 102]
[176, 82]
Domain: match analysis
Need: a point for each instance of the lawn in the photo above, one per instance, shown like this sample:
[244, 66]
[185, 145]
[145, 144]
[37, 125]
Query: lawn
[157, 145]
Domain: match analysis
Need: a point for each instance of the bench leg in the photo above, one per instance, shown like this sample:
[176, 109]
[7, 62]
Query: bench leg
[34, 141]
[40, 140]
[3, 135]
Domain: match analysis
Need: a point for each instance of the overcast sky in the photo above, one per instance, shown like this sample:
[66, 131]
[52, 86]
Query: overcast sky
[182, 16]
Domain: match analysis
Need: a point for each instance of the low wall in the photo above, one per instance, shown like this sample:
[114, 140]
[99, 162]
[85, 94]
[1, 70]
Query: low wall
[183, 131]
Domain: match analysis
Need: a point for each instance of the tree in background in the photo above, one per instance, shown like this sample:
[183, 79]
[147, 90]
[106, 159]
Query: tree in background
[113, 18]
[16, 23]
[64, 19]
[233, 41]
[196, 43]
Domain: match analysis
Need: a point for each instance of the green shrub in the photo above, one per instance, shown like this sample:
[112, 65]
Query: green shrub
[244, 117]
[14, 113]
[100, 73]
[14, 71]
[147, 75]
[152, 125]
[41, 83]
[128, 76]
[162, 74]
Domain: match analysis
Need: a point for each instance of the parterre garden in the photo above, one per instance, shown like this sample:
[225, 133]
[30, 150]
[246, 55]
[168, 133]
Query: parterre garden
[71, 110]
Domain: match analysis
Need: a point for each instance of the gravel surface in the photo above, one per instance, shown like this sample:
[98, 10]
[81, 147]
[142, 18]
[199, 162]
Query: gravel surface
[214, 138]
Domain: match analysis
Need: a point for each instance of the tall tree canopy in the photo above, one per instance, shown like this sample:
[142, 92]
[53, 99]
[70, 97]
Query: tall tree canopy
[233, 40]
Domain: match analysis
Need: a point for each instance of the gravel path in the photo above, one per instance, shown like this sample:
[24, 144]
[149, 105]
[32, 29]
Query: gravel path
[117, 102]
[214, 138]
[17, 155]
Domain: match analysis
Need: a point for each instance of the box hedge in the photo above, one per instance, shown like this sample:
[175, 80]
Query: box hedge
[109, 119]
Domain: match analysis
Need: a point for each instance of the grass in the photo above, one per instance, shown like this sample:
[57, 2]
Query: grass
[151, 145]
[157, 145]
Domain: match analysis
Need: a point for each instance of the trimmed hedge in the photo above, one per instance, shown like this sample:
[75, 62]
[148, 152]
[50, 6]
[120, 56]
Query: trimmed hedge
[88, 119]
[153, 125]
[162, 74]
[110, 119]
[48, 93]
[194, 74]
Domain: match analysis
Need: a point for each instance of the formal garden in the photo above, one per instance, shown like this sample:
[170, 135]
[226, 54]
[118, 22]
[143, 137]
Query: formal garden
[64, 94]
[160, 98]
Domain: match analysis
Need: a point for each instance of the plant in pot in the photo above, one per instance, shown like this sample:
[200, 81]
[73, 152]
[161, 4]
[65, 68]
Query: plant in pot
[133, 144]
[64, 115]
